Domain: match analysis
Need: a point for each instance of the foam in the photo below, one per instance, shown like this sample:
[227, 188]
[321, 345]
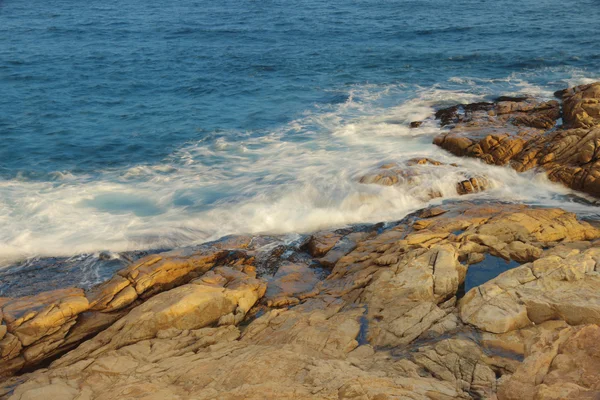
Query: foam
[300, 177]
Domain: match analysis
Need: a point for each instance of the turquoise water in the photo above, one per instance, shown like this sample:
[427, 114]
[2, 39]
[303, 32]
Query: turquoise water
[143, 124]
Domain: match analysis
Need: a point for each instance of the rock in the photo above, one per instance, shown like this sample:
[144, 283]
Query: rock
[581, 106]
[343, 247]
[32, 318]
[461, 362]
[291, 283]
[521, 134]
[43, 326]
[414, 176]
[550, 288]
[431, 212]
[37, 325]
[562, 365]
[223, 296]
[383, 324]
[472, 185]
[416, 124]
[457, 113]
[320, 243]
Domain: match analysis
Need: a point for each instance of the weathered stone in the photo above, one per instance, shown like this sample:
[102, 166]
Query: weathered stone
[461, 362]
[549, 288]
[520, 134]
[561, 365]
[383, 324]
[31, 318]
[320, 243]
[209, 300]
[291, 283]
[581, 106]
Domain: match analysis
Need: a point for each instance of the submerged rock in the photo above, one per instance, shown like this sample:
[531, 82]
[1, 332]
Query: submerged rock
[415, 175]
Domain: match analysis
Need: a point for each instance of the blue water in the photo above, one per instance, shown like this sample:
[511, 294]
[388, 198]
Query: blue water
[136, 124]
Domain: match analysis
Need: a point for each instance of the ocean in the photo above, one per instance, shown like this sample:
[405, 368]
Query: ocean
[134, 125]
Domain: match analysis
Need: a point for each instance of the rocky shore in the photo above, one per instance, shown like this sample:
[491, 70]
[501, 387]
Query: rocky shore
[466, 300]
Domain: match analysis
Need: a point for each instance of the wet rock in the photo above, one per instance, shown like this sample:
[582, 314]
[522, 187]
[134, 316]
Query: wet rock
[512, 99]
[321, 242]
[431, 212]
[475, 184]
[416, 124]
[500, 131]
[412, 175]
[521, 134]
[460, 113]
[343, 247]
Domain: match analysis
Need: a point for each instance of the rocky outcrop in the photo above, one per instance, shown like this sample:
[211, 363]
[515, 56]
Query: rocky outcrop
[416, 173]
[581, 106]
[559, 365]
[386, 322]
[549, 288]
[42, 326]
[522, 134]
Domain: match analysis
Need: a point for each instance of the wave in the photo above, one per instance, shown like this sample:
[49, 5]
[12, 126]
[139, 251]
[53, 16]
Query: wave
[300, 177]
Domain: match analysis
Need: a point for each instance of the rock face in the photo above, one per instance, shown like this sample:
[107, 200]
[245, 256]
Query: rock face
[384, 324]
[521, 134]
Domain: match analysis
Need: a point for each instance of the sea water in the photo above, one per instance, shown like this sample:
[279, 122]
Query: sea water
[131, 125]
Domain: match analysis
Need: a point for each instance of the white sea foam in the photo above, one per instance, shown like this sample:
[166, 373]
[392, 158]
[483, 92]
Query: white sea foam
[298, 178]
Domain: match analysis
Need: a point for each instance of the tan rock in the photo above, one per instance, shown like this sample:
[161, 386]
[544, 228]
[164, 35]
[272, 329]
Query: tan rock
[291, 283]
[31, 318]
[549, 288]
[516, 135]
[563, 365]
[206, 301]
[460, 362]
[320, 243]
[582, 106]
[383, 324]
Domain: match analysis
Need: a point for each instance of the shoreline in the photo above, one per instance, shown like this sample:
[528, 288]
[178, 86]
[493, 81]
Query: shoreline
[349, 298]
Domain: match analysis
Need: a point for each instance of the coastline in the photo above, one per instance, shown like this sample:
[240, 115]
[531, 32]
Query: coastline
[367, 311]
